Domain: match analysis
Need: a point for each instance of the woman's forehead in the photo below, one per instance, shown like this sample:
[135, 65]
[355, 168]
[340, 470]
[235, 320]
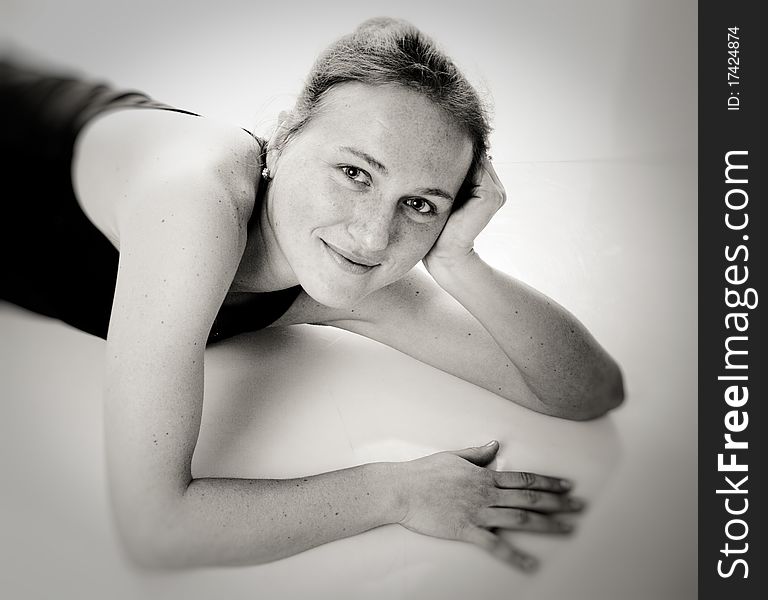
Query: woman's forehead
[398, 126]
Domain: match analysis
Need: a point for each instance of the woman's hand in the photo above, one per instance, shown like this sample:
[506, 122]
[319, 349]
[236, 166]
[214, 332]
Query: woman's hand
[451, 495]
[458, 236]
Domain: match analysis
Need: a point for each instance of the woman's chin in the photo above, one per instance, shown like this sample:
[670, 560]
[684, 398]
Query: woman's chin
[335, 297]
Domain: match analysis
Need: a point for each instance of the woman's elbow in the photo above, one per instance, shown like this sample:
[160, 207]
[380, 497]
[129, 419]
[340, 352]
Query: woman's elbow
[146, 552]
[595, 400]
[142, 557]
[149, 541]
[607, 396]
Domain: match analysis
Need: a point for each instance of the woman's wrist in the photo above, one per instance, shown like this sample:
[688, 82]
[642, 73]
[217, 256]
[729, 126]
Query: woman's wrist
[440, 258]
[389, 479]
[450, 271]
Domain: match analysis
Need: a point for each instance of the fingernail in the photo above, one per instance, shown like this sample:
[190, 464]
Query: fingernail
[529, 564]
[565, 484]
[566, 527]
[575, 504]
[491, 443]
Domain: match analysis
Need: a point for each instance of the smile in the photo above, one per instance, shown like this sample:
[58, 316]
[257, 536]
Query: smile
[348, 261]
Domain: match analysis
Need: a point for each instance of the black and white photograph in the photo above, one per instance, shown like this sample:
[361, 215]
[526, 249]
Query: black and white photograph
[349, 300]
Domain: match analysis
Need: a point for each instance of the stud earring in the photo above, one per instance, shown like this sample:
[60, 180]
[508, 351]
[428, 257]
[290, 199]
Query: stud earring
[266, 174]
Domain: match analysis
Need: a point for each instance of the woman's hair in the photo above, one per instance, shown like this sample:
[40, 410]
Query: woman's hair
[392, 51]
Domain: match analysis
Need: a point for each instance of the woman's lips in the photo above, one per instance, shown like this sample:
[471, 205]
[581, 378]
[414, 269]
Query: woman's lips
[349, 265]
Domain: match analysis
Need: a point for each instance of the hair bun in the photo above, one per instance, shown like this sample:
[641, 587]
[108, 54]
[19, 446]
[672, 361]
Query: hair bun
[382, 24]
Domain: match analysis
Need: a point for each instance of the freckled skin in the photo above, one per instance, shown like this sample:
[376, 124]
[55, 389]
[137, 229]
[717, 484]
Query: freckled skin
[312, 200]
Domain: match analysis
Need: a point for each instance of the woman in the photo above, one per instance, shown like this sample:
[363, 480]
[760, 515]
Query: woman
[162, 232]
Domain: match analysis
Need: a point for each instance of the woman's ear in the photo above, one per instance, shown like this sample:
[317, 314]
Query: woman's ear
[282, 129]
[275, 142]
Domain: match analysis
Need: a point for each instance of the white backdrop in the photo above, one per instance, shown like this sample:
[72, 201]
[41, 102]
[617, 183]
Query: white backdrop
[595, 140]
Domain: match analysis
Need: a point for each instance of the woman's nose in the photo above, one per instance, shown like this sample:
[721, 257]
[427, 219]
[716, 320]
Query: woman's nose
[373, 225]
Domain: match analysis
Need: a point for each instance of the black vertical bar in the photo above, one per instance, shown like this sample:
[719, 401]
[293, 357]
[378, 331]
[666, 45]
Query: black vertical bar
[731, 119]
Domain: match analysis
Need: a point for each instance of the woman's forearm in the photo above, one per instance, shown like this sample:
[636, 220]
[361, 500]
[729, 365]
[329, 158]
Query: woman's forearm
[227, 522]
[559, 359]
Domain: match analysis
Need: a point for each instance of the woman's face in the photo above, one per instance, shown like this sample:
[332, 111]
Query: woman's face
[362, 192]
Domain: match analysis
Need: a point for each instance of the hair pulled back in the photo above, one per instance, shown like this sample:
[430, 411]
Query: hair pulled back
[392, 51]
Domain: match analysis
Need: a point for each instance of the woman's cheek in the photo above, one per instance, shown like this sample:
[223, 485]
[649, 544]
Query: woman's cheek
[411, 245]
[424, 235]
[301, 204]
[321, 200]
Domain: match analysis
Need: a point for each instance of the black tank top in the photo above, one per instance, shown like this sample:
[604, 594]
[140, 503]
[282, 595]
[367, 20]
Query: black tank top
[53, 260]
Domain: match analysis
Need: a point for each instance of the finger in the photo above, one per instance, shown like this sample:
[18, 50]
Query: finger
[522, 520]
[531, 481]
[487, 167]
[484, 175]
[536, 500]
[500, 548]
[479, 455]
[486, 180]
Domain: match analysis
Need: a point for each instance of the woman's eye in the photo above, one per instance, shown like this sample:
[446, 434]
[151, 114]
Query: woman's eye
[420, 205]
[355, 174]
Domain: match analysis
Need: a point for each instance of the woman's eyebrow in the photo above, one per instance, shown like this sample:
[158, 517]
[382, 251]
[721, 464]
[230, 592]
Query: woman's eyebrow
[435, 192]
[367, 158]
[380, 167]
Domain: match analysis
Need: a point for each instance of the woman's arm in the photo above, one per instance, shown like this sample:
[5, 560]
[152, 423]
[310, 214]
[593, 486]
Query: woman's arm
[165, 302]
[559, 360]
[182, 231]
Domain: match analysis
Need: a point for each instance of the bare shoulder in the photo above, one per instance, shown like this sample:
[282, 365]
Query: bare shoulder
[173, 192]
[125, 148]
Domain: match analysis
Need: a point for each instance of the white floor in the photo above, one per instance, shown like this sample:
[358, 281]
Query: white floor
[612, 238]
[625, 268]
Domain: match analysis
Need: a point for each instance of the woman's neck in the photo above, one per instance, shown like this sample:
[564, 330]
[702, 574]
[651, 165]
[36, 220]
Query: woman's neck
[263, 266]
